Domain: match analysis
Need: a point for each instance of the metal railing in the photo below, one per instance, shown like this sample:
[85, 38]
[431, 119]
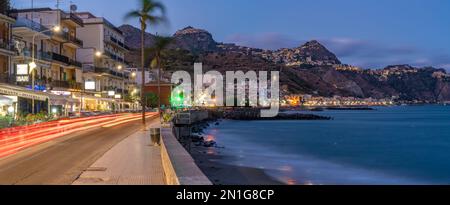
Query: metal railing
[24, 22]
[66, 84]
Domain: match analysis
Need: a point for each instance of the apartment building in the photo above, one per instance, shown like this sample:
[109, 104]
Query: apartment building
[103, 55]
[55, 50]
[6, 47]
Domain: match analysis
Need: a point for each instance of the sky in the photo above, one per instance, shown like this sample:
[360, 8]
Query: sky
[366, 33]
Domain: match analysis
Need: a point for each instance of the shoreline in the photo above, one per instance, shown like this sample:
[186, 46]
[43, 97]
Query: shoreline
[208, 159]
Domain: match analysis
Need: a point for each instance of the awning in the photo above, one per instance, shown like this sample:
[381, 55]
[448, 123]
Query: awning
[90, 97]
[13, 90]
[62, 100]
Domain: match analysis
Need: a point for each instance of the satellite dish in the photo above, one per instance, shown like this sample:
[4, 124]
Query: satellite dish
[73, 8]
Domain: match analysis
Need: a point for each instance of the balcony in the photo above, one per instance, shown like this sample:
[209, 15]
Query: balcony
[108, 71]
[60, 58]
[26, 27]
[66, 84]
[115, 42]
[65, 37]
[65, 60]
[72, 17]
[7, 47]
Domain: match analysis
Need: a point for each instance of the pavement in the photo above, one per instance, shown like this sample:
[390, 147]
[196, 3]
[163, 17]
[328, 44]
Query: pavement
[62, 160]
[133, 161]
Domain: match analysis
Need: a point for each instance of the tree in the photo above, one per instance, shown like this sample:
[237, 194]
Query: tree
[151, 99]
[5, 6]
[161, 43]
[147, 16]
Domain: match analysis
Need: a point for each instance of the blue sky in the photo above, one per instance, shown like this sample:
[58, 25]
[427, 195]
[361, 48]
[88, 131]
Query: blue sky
[367, 33]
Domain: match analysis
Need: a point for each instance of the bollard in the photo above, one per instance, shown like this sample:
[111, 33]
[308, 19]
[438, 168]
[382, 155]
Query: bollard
[155, 136]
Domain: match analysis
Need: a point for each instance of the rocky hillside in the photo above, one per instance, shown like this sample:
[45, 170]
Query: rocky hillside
[195, 40]
[311, 53]
[308, 69]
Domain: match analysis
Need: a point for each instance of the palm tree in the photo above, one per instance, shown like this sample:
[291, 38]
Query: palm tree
[147, 16]
[161, 44]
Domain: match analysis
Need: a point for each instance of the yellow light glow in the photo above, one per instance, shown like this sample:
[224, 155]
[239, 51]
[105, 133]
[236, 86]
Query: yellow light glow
[57, 29]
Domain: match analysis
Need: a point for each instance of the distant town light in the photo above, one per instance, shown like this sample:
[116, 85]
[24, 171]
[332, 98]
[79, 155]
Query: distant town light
[98, 54]
[119, 67]
[54, 110]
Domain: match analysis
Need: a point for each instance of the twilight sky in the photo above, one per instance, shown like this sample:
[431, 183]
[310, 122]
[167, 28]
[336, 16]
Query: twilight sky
[368, 33]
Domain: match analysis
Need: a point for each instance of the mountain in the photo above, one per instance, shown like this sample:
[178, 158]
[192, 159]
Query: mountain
[195, 40]
[308, 69]
[311, 53]
[133, 37]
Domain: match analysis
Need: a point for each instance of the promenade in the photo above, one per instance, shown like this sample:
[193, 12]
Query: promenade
[133, 161]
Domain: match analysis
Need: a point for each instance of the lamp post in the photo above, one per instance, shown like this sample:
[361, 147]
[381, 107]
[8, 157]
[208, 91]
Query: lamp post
[97, 54]
[33, 63]
[119, 68]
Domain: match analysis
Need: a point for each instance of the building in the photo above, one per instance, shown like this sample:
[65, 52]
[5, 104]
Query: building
[51, 35]
[6, 47]
[7, 103]
[166, 92]
[103, 54]
[103, 59]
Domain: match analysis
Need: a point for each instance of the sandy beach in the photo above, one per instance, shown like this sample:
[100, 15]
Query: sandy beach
[210, 160]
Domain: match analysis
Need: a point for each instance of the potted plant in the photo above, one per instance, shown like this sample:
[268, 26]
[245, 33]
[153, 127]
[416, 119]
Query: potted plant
[166, 119]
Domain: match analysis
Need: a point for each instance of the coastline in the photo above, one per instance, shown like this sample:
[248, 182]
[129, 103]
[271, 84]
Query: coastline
[208, 159]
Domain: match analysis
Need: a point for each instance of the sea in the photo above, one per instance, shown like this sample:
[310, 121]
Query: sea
[400, 145]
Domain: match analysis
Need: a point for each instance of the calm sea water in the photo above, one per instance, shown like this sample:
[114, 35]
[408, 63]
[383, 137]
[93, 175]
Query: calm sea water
[392, 145]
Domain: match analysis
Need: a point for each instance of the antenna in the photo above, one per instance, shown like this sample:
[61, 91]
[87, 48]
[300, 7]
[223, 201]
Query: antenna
[73, 8]
[58, 2]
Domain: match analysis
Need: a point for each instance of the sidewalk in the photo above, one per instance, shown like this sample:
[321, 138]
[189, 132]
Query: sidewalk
[131, 162]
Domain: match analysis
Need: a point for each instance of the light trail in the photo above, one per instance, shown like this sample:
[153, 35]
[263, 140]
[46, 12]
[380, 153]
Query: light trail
[13, 140]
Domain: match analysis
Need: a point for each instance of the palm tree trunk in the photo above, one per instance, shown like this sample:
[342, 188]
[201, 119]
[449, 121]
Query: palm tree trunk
[159, 82]
[143, 73]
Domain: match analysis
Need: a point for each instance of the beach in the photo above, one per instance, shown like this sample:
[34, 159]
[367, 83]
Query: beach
[210, 161]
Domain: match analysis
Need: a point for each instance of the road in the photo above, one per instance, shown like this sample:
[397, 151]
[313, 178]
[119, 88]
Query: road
[59, 153]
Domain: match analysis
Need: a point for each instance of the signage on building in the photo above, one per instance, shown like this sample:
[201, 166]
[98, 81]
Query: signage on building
[22, 78]
[64, 93]
[111, 93]
[118, 96]
[89, 85]
[22, 73]
[22, 69]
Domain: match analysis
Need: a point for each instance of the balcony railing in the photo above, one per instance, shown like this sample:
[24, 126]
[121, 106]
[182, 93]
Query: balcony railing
[72, 17]
[117, 42]
[109, 71]
[75, 63]
[66, 84]
[24, 22]
[67, 37]
[60, 58]
[75, 40]
[7, 45]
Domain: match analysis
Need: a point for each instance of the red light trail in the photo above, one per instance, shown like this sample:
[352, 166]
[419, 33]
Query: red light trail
[15, 139]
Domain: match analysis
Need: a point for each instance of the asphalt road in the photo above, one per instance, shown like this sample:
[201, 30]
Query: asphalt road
[61, 161]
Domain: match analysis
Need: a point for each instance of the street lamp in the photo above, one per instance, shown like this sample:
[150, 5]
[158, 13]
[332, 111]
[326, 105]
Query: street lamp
[119, 68]
[33, 64]
[97, 54]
